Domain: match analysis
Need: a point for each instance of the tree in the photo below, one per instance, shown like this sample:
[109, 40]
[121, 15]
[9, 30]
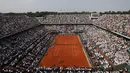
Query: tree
[118, 12]
[113, 12]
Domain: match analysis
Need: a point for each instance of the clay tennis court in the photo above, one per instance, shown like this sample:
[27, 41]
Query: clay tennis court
[66, 51]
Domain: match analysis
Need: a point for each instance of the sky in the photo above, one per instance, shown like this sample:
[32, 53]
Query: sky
[63, 5]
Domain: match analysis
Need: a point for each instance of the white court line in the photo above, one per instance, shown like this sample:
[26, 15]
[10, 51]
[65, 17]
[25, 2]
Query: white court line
[55, 52]
[65, 49]
[72, 51]
[84, 52]
[76, 54]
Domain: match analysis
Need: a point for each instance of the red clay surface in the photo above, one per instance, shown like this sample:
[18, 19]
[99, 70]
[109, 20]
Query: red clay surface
[67, 51]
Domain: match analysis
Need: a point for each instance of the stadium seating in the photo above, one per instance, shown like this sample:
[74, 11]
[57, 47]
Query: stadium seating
[24, 41]
[65, 19]
[13, 24]
[115, 22]
[111, 45]
[21, 50]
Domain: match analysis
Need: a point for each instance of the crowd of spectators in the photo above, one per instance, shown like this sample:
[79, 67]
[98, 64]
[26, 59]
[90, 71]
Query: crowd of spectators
[115, 22]
[24, 50]
[103, 45]
[64, 69]
[11, 24]
[65, 28]
[65, 19]
[22, 46]
[95, 56]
